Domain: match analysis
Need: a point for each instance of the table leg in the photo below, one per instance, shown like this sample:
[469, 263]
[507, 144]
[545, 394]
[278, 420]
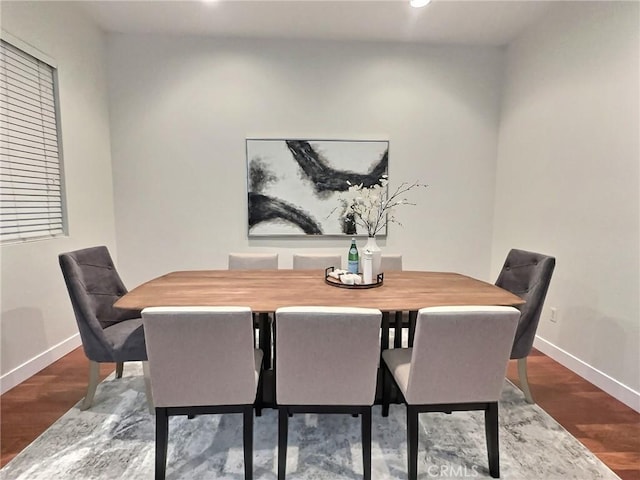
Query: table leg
[413, 315]
[397, 341]
[265, 338]
[384, 341]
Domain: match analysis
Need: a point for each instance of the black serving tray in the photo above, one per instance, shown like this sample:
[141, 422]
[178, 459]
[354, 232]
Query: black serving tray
[335, 282]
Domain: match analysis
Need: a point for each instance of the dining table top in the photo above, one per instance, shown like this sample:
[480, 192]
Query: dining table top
[265, 291]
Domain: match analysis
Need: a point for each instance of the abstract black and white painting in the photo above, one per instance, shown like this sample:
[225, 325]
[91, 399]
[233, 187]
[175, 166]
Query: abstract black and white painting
[294, 185]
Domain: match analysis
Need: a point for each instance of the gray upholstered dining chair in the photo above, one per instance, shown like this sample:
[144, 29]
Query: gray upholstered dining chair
[253, 261]
[316, 261]
[108, 334]
[458, 363]
[528, 275]
[262, 322]
[326, 362]
[202, 361]
[390, 262]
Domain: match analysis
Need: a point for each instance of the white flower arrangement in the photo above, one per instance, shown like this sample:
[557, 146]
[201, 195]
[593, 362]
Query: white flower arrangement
[372, 207]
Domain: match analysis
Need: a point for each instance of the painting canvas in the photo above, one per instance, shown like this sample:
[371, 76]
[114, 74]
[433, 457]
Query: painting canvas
[294, 185]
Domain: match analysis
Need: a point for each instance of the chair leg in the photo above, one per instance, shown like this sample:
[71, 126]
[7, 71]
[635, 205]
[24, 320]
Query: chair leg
[259, 398]
[366, 443]
[259, 401]
[412, 442]
[248, 442]
[524, 379]
[94, 379]
[283, 426]
[147, 386]
[386, 391]
[162, 441]
[491, 432]
[119, 369]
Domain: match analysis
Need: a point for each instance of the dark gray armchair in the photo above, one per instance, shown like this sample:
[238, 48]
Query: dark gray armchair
[526, 274]
[108, 334]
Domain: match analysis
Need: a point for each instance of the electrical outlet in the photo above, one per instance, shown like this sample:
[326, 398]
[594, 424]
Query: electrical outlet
[554, 315]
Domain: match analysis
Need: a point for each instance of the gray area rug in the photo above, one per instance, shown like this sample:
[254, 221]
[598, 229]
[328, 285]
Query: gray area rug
[115, 439]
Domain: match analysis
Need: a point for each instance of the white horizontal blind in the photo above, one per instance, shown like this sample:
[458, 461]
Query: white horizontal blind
[31, 202]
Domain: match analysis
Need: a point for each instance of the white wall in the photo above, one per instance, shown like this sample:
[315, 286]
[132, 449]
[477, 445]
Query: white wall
[181, 109]
[37, 323]
[568, 182]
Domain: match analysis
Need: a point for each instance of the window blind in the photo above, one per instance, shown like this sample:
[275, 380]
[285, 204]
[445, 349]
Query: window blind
[31, 201]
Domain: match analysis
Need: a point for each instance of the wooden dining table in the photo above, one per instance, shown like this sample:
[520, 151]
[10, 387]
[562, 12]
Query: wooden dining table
[264, 291]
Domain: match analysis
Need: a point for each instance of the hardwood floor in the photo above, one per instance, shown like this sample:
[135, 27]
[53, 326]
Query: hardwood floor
[606, 426]
[30, 408]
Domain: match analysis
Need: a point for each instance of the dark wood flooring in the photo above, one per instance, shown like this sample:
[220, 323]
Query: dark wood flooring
[607, 427]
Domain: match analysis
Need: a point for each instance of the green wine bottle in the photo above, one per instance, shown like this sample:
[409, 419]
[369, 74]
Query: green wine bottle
[353, 258]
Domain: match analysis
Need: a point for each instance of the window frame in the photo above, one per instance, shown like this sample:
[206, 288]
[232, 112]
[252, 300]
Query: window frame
[44, 233]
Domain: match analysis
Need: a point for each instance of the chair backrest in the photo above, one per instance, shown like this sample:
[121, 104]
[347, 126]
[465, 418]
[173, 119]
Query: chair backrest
[326, 355]
[200, 355]
[460, 354]
[316, 261]
[528, 275]
[390, 262]
[94, 285]
[253, 261]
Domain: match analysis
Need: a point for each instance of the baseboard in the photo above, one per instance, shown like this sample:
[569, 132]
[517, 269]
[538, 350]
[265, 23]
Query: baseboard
[33, 366]
[610, 385]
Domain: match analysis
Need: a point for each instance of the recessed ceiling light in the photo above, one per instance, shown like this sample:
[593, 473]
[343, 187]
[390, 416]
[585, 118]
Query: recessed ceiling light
[419, 3]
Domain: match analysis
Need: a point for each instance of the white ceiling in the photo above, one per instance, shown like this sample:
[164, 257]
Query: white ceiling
[444, 21]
